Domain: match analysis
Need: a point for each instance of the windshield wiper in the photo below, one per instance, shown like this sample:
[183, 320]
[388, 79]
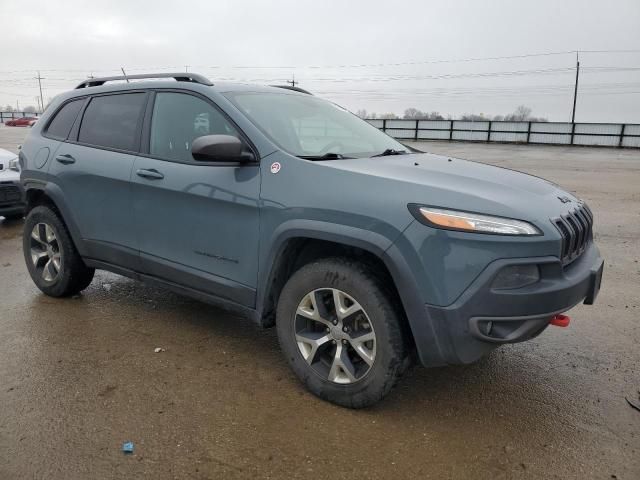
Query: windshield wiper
[326, 156]
[390, 151]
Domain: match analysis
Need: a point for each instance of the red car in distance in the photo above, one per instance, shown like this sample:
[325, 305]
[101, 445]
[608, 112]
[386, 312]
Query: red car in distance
[21, 122]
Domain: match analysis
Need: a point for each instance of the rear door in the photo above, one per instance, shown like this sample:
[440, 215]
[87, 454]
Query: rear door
[93, 168]
[197, 222]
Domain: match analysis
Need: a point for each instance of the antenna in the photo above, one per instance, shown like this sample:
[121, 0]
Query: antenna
[125, 74]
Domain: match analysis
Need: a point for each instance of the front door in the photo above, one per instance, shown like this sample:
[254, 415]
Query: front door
[197, 223]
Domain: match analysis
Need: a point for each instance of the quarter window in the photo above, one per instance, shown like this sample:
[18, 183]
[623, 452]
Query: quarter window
[112, 121]
[61, 124]
[178, 119]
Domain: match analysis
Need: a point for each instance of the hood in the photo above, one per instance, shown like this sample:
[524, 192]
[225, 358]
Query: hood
[9, 175]
[5, 156]
[465, 185]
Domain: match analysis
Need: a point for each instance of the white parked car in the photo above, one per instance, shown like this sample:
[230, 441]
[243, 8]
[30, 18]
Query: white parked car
[12, 201]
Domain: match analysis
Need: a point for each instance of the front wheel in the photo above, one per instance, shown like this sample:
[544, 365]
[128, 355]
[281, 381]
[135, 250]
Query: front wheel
[341, 332]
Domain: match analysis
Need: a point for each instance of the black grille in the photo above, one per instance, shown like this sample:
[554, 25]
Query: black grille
[576, 228]
[9, 193]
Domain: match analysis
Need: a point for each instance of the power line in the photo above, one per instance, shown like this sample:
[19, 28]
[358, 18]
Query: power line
[379, 78]
[355, 65]
[630, 50]
[386, 78]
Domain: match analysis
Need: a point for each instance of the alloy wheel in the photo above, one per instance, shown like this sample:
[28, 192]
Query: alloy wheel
[45, 252]
[335, 336]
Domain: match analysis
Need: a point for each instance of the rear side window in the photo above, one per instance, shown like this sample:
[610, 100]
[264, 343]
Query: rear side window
[61, 124]
[112, 121]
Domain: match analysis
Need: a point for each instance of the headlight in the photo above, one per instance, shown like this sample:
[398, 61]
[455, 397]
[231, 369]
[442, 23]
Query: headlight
[14, 165]
[471, 222]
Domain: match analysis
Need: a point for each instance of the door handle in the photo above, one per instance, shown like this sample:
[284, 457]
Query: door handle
[150, 173]
[65, 159]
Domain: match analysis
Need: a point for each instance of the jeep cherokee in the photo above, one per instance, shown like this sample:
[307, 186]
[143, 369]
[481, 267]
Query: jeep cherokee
[288, 209]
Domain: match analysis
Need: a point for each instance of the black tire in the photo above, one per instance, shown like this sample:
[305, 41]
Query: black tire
[73, 276]
[388, 323]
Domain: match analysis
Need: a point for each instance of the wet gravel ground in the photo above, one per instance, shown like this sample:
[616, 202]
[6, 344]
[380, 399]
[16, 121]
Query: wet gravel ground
[79, 376]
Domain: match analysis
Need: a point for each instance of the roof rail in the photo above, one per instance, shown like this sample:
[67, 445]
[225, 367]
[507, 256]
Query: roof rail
[180, 77]
[295, 89]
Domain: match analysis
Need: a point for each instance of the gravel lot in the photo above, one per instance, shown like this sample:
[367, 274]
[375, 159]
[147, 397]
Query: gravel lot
[79, 376]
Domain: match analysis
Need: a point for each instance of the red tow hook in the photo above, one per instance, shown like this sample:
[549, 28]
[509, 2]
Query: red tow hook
[560, 320]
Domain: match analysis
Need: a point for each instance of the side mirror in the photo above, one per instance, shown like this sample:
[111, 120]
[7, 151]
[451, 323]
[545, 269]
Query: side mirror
[219, 148]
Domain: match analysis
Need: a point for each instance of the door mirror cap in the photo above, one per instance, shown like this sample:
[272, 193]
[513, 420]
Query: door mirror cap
[219, 148]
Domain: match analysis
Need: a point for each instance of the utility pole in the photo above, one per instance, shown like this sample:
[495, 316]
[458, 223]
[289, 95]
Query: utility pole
[575, 91]
[186, 68]
[39, 78]
[292, 82]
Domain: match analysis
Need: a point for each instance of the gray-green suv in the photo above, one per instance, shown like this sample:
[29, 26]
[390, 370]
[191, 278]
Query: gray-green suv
[270, 202]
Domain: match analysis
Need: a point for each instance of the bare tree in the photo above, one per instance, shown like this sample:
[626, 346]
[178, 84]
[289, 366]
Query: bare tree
[474, 117]
[29, 109]
[434, 116]
[413, 114]
[8, 108]
[521, 113]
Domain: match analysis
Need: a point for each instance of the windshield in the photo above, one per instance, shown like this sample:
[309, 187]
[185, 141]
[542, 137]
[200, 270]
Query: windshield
[308, 126]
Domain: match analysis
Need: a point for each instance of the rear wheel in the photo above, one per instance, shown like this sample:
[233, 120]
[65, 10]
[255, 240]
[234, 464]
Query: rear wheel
[341, 333]
[51, 257]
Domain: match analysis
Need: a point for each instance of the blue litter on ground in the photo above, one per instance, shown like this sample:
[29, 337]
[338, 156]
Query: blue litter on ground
[127, 447]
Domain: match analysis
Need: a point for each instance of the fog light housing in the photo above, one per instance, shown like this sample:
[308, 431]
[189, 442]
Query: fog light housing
[516, 276]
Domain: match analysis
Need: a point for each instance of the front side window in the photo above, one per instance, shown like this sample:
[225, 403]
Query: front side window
[178, 119]
[112, 121]
[308, 126]
[61, 124]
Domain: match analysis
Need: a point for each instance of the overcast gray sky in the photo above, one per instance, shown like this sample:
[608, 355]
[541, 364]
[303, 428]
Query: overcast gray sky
[382, 56]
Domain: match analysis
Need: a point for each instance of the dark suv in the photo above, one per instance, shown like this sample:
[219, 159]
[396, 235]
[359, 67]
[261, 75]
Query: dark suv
[290, 210]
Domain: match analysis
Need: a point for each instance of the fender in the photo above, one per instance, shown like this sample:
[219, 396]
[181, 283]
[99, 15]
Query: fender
[318, 230]
[421, 325]
[54, 193]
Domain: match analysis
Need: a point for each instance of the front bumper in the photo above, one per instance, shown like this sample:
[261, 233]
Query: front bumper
[12, 198]
[483, 317]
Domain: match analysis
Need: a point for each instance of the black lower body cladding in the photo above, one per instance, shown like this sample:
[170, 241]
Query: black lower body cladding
[483, 317]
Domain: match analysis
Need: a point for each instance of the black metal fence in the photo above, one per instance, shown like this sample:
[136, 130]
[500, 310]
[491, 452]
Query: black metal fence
[4, 116]
[550, 133]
